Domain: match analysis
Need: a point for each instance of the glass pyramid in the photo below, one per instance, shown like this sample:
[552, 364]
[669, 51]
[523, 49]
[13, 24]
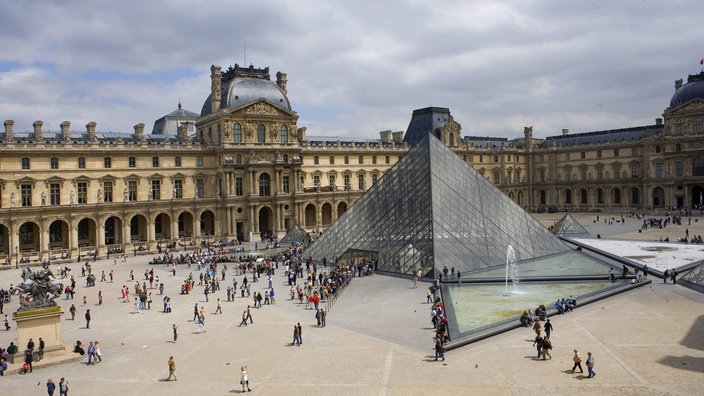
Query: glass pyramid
[294, 235]
[432, 210]
[568, 226]
[694, 278]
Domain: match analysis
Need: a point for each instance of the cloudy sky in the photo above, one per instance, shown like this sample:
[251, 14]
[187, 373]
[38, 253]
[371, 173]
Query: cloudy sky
[354, 67]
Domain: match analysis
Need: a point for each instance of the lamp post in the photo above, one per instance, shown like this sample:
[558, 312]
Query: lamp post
[17, 257]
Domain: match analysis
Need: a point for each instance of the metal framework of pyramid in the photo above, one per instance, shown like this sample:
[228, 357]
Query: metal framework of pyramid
[294, 235]
[694, 278]
[432, 210]
[569, 226]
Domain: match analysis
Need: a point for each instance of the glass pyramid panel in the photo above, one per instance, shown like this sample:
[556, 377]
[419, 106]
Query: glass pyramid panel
[432, 210]
[294, 235]
[568, 225]
[695, 277]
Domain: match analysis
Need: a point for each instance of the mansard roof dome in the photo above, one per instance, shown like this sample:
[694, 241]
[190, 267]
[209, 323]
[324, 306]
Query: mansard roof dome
[694, 89]
[242, 86]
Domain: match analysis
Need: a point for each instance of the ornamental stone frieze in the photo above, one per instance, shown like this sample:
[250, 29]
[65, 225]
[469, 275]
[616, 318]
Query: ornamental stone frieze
[261, 109]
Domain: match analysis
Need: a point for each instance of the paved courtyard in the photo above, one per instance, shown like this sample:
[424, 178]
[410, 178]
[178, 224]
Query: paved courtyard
[649, 341]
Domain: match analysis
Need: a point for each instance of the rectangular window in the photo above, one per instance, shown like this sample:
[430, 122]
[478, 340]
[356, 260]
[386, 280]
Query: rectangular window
[347, 160]
[481, 158]
[348, 183]
[657, 148]
[239, 185]
[658, 170]
[200, 188]
[55, 193]
[375, 177]
[132, 162]
[132, 190]
[360, 160]
[156, 189]
[360, 181]
[286, 184]
[584, 174]
[155, 162]
[81, 162]
[598, 154]
[54, 163]
[178, 188]
[316, 180]
[25, 162]
[616, 152]
[497, 175]
[82, 192]
[387, 159]
[634, 171]
[107, 191]
[600, 174]
[332, 160]
[679, 168]
[107, 162]
[567, 156]
[374, 159]
[496, 158]
[634, 151]
[199, 161]
[542, 175]
[331, 180]
[316, 160]
[26, 194]
[583, 154]
[697, 125]
[177, 161]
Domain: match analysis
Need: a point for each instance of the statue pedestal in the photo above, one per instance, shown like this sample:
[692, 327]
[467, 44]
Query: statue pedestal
[40, 322]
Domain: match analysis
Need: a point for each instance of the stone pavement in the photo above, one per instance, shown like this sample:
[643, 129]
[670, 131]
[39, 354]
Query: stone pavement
[649, 341]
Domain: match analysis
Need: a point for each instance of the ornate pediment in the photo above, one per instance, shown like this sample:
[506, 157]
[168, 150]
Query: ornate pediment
[261, 108]
[692, 107]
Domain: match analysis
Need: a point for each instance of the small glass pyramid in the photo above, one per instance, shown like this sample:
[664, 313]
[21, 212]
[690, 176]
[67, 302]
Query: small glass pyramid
[294, 235]
[568, 226]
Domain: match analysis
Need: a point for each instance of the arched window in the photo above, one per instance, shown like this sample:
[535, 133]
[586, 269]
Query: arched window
[237, 132]
[568, 197]
[284, 134]
[452, 140]
[261, 133]
[264, 190]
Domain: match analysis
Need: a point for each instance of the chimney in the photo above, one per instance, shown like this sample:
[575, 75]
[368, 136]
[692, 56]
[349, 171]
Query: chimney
[65, 131]
[183, 131]
[215, 87]
[301, 132]
[90, 128]
[565, 132]
[678, 84]
[281, 81]
[658, 121]
[9, 135]
[38, 131]
[397, 136]
[139, 132]
[385, 136]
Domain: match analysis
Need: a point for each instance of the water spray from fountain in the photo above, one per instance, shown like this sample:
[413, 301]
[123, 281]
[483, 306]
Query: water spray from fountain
[511, 269]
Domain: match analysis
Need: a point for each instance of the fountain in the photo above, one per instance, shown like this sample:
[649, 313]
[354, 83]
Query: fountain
[511, 270]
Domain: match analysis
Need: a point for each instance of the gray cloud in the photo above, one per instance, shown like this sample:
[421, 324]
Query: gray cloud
[354, 68]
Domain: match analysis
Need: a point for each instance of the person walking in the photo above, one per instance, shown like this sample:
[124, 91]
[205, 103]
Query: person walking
[439, 348]
[577, 362]
[40, 351]
[73, 312]
[87, 318]
[548, 329]
[547, 346]
[244, 318]
[50, 387]
[63, 387]
[249, 315]
[175, 328]
[590, 365]
[219, 308]
[244, 378]
[539, 342]
[172, 369]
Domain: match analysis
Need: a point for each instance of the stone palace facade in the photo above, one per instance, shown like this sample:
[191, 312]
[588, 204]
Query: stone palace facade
[243, 165]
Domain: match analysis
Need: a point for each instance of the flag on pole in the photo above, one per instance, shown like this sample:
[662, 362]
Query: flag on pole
[701, 62]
